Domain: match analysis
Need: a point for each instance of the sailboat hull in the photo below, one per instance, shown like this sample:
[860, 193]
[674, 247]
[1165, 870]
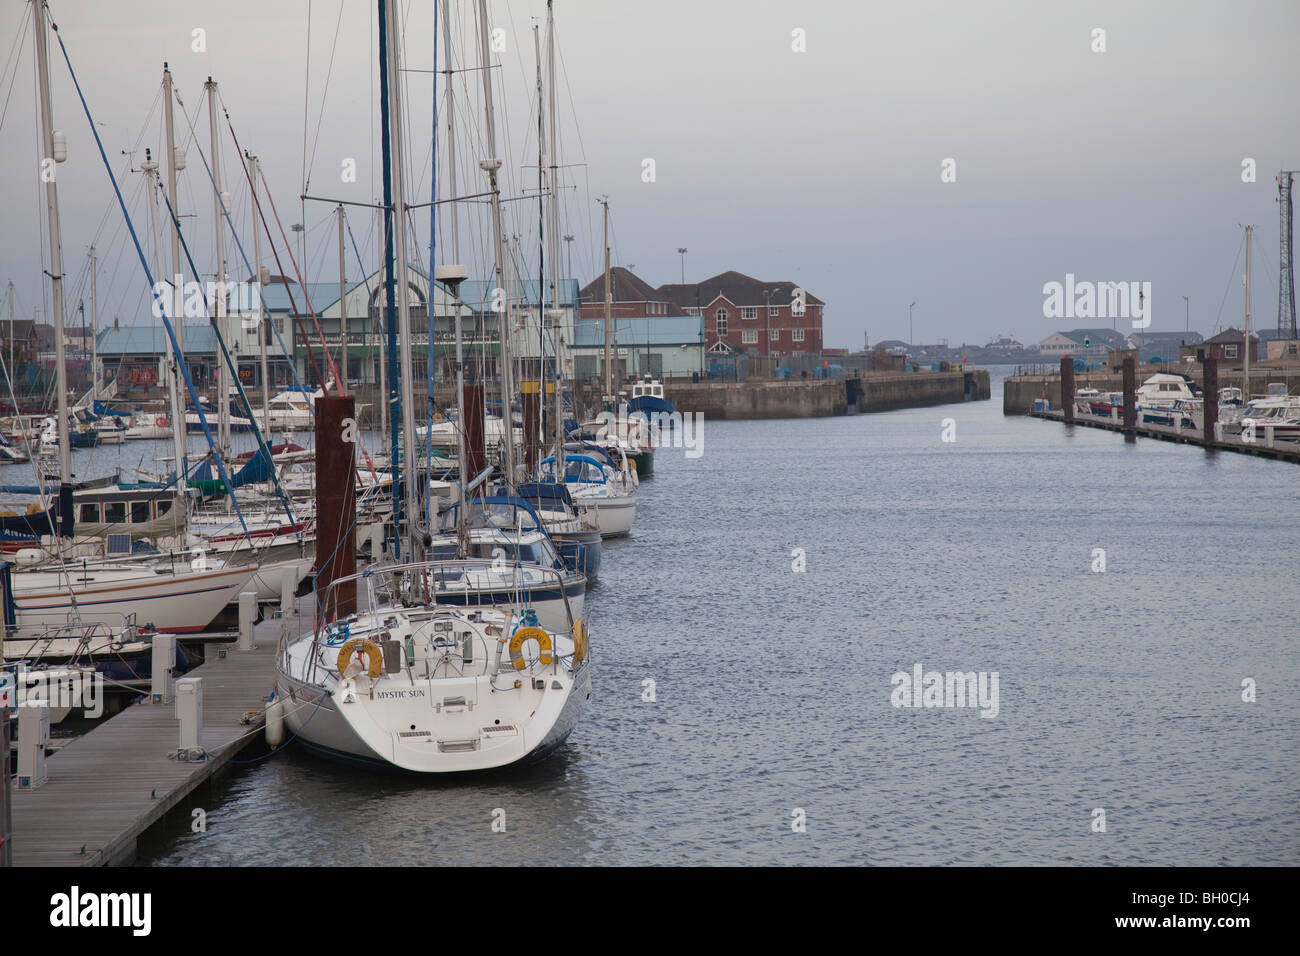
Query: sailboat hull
[175, 603]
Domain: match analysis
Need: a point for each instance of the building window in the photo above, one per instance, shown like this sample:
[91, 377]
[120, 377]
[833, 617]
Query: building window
[721, 316]
[749, 336]
[796, 305]
[773, 311]
[1230, 351]
[774, 334]
[796, 335]
[693, 310]
[749, 312]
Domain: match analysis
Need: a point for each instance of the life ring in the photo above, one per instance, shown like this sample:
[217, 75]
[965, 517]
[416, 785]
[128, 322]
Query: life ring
[161, 421]
[579, 641]
[529, 634]
[362, 645]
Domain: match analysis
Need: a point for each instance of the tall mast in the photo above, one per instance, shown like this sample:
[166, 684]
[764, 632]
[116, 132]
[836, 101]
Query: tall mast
[609, 315]
[11, 328]
[150, 169]
[343, 307]
[219, 208]
[1246, 364]
[490, 166]
[557, 311]
[381, 332]
[174, 163]
[94, 332]
[52, 154]
[451, 135]
[400, 273]
[263, 332]
[543, 237]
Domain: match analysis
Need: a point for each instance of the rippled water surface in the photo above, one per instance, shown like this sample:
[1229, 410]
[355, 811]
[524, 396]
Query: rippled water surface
[1119, 690]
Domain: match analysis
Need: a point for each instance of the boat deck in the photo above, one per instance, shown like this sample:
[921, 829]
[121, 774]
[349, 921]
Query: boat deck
[107, 787]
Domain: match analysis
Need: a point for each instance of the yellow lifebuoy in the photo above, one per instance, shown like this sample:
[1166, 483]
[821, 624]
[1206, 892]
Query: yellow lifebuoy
[579, 641]
[362, 645]
[529, 634]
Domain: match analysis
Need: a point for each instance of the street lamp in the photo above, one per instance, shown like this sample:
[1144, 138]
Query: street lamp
[1187, 313]
[910, 336]
[569, 240]
[682, 252]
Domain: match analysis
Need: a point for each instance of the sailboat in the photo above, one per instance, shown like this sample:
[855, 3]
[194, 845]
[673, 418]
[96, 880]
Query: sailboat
[412, 679]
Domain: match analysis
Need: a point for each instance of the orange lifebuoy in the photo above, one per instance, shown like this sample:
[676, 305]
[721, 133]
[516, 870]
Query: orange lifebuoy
[161, 421]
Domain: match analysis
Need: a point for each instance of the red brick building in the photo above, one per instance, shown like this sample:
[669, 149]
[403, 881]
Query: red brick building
[741, 313]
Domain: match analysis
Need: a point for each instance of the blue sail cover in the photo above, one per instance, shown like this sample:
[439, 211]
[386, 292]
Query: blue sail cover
[100, 409]
[18, 527]
[546, 495]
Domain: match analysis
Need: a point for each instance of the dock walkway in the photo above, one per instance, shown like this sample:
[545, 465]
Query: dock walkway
[106, 788]
[1279, 449]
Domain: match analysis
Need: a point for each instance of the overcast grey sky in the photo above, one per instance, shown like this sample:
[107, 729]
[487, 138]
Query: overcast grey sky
[820, 167]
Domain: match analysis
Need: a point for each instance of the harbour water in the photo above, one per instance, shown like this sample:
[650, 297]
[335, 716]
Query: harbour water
[1118, 691]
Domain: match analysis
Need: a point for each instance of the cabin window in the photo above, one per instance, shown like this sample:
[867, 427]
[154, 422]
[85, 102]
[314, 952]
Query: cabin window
[164, 506]
[90, 513]
[139, 512]
[115, 512]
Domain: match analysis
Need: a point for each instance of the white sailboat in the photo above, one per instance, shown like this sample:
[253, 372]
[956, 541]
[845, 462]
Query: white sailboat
[414, 679]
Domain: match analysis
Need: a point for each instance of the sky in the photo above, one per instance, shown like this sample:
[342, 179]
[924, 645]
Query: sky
[955, 155]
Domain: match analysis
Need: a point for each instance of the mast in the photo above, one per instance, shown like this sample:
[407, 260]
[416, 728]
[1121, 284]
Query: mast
[1246, 363]
[609, 315]
[52, 153]
[263, 333]
[94, 332]
[150, 169]
[557, 311]
[491, 165]
[174, 163]
[343, 306]
[380, 332]
[219, 314]
[451, 136]
[394, 135]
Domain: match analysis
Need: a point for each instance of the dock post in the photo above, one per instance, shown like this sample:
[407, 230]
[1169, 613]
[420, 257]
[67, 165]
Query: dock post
[1130, 394]
[336, 500]
[189, 711]
[163, 663]
[247, 618]
[1210, 399]
[288, 591]
[1067, 387]
[6, 804]
[33, 736]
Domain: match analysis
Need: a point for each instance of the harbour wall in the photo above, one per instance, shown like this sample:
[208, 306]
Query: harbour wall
[814, 398]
